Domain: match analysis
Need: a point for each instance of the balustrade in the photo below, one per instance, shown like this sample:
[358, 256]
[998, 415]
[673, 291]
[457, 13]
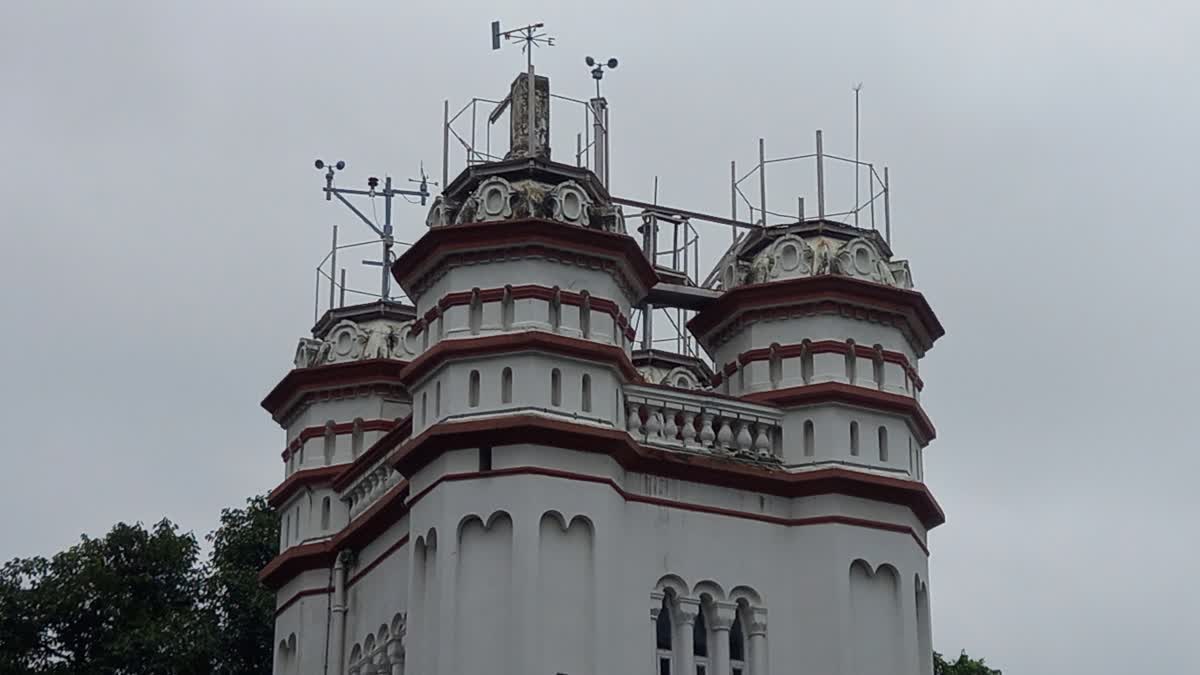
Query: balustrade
[698, 422]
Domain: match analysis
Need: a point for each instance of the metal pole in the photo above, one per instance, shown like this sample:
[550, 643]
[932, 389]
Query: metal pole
[856, 167]
[800, 203]
[332, 266]
[342, 295]
[887, 208]
[762, 180]
[733, 196]
[472, 154]
[529, 116]
[578, 149]
[385, 283]
[445, 143]
[607, 149]
[871, 185]
[820, 178]
[598, 143]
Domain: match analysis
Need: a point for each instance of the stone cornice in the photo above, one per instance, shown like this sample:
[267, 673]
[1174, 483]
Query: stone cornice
[419, 451]
[820, 294]
[300, 381]
[511, 343]
[522, 237]
[840, 392]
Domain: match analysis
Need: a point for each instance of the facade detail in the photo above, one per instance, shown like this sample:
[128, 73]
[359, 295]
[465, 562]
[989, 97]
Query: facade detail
[497, 476]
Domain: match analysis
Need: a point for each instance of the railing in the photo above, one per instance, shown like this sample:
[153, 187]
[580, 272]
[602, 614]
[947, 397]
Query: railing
[694, 422]
[370, 487]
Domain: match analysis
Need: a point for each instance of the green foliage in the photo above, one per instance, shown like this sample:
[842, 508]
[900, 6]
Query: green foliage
[965, 665]
[245, 542]
[141, 601]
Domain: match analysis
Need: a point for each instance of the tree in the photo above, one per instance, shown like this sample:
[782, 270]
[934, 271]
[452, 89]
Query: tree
[141, 601]
[965, 665]
[243, 544]
[128, 603]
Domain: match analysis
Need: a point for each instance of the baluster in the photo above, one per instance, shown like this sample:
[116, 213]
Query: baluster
[744, 439]
[633, 419]
[654, 425]
[725, 435]
[689, 428]
[670, 430]
[707, 435]
[762, 443]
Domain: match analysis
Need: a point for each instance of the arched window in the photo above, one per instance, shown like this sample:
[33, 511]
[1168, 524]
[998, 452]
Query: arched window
[737, 647]
[325, 514]
[356, 437]
[506, 385]
[330, 442]
[810, 439]
[475, 317]
[663, 631]
[851, 362]
[585, 396]
[883, 448]
[296, 521]
[437, 399]
[776, 367]
[507, 308]
[424, 407]
[555, 316]
[473, 390]
[741, 378]
[287, 529]
[585, 315]
[555, 387]
[854, 438]
[878, 366]
[700, 643]
[806, 361]
[300, 457]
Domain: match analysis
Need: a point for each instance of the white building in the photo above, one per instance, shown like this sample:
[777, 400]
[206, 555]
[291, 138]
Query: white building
[496, 480]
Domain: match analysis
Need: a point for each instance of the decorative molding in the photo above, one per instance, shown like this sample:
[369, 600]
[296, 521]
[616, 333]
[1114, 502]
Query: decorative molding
[840, 392]
[341, 377]
[415, 453]
[675, 504]
[342, 429]
[533, 340]
[853, 298]
[525, 292]
[474, 242]
[819, 347]
[304, 478]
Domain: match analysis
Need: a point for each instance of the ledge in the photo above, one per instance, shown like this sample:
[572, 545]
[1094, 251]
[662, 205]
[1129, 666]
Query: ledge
[301, 380]
[418, 452]
[513, 343]
[440, 241]
[910, 305]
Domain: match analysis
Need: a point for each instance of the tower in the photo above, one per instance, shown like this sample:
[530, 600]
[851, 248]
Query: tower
[496, 478]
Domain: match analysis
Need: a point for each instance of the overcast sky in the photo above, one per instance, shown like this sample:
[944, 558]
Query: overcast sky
[161, 221]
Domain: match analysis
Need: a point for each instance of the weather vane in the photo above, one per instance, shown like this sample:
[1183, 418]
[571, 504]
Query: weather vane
[530, 36]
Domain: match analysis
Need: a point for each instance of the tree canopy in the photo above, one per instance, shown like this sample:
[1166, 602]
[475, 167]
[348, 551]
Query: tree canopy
[965, 665]
[143, 601]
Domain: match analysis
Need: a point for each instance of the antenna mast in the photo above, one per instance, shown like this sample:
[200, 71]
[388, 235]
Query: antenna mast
[385, 231]
[530, 36]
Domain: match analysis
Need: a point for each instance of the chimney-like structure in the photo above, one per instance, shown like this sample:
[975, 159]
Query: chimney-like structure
[519, 118]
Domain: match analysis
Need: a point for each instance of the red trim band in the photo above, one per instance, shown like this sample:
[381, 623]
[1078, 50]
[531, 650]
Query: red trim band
[301, 380]
[526, 292]
[524, 341]
[669, 503]
[318, 477]
[826, 392]
[417, 452]
[309, 433]
[820, 347]
[911, 306]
